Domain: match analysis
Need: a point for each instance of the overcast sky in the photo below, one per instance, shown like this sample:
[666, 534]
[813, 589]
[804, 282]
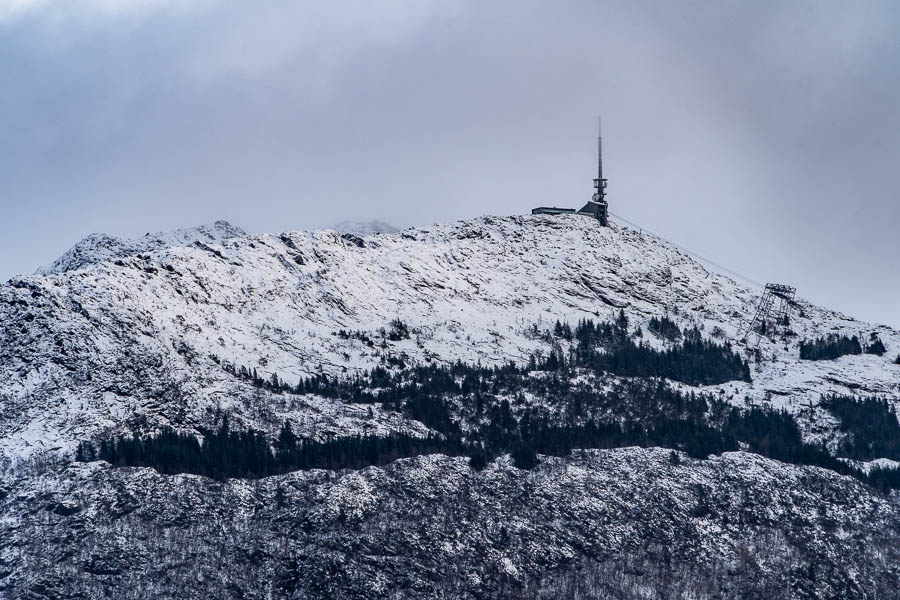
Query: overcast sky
[765, 135]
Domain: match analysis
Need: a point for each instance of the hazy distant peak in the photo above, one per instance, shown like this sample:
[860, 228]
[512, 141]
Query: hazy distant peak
[364, 227]
[214, 233]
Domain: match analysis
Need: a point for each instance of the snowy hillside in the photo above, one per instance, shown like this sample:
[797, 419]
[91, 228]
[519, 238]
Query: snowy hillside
[424, 480]
[132, 332]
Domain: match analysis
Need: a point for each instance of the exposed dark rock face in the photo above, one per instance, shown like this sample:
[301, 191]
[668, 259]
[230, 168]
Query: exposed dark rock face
[619, 523]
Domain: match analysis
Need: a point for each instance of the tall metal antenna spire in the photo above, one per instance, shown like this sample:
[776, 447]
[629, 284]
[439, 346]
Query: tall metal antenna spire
[599, 149]
[599, 197]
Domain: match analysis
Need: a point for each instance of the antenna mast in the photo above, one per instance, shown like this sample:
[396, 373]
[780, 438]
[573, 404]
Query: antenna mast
[600, 183]
[600, 153]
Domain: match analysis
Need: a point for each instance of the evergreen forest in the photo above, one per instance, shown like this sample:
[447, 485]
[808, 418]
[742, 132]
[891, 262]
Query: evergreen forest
[482, 412]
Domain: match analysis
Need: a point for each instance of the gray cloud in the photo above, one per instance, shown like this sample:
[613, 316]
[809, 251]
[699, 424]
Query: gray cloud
[761, 134]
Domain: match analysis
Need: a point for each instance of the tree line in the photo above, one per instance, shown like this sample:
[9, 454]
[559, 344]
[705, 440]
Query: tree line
[227, 453]
[834, 346]
[604, 347]
[608, 347]
[870, 424]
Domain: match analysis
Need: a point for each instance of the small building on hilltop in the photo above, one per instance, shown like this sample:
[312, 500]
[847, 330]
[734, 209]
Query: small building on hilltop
[597, 207]
[552, 210]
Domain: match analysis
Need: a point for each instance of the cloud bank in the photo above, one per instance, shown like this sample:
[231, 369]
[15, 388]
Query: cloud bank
[762, 134]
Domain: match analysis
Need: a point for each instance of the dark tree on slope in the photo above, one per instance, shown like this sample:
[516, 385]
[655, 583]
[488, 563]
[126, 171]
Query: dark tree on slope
[665, 328]
[562, 330]
[875, 346]
[398, 331]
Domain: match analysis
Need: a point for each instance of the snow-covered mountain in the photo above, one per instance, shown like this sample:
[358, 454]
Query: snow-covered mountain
[120, 336]
[139, 331]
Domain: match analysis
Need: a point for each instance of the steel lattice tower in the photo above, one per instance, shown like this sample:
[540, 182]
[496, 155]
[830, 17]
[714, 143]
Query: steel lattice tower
[774, 309]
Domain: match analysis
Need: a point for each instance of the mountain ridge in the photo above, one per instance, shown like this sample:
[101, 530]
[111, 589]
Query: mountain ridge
[470, 290]
[98, 247]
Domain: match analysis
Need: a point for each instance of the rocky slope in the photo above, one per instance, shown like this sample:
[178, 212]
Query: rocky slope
[614, 524]
[100, 247]
[137, 335]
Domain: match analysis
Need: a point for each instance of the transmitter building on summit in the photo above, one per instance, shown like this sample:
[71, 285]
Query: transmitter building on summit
[597, 206]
